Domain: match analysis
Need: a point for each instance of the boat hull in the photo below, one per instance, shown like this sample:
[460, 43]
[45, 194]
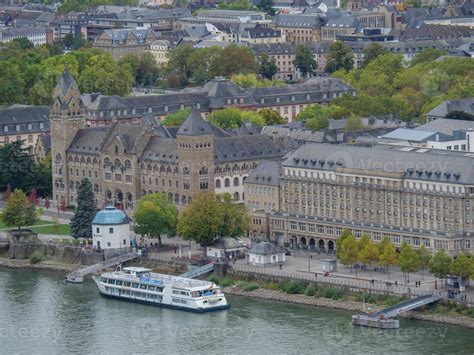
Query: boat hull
[368, 321]
[170, 306]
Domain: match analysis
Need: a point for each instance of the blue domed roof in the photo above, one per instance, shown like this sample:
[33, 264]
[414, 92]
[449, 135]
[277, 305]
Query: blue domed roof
[110, 215]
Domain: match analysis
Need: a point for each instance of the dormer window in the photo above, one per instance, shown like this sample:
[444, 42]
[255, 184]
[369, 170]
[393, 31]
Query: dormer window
[150, 110]
[17, 127]
[5, 129]
[198, 105]
[277, 99]
[29, 126]
[41, 125]
[262, 100]
[292, 97]
[166, 108]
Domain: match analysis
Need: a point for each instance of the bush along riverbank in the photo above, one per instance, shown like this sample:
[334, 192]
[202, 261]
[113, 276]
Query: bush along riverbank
[300, 292]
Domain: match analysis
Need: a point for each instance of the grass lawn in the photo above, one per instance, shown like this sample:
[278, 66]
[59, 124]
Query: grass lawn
[37, 223]
[63, 229]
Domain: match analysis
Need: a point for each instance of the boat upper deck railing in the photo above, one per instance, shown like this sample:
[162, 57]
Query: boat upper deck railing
[152, 278]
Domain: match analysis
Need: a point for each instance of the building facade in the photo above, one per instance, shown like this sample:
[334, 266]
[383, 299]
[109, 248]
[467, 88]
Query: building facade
[418, 196]
[125, 161]
[217, 94]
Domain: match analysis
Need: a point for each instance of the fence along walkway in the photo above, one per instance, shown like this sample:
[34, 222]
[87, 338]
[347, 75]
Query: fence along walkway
[77, 276]
[350, 283]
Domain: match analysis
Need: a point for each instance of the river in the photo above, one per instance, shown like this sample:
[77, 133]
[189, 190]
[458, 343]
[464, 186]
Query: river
[41, 314]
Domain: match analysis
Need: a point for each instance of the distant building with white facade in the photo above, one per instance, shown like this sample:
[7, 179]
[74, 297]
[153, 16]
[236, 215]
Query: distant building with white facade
[111, 229]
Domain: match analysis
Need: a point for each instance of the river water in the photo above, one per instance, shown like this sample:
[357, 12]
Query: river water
[40, 314]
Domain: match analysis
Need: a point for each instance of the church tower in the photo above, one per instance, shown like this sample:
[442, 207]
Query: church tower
[67, 117]
[195, 156]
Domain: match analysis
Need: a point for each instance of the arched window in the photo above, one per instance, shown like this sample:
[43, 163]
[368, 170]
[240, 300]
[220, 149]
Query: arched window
[218, 183]
[203, 171]
[117, 163]
[128, 164]
[227, 182]
[185, 170]
[58, 159]
[176, 198]
[107, 163]
[236, 181]
[236, 196]
[183, 200]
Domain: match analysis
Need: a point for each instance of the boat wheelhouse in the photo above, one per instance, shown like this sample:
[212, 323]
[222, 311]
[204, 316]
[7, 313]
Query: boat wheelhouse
[141, 285]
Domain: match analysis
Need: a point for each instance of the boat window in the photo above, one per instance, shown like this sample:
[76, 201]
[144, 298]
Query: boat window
[103, 279]
[151, 288]
[127, 292]
[143, 287]
[159, 289]
[135, 285]
[119, 283]
[111, 281]
[126, 284]
[195, 294]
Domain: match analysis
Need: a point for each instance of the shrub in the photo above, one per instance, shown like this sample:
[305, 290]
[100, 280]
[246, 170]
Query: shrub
[272, 286]
[367, 297]
[251, 286]
[470, 312]
[331, 292]
[214, 278]
[310, 291]
[225, 282]
[294, 287]
[36, 257]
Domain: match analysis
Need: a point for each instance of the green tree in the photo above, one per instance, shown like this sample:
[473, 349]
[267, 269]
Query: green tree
[440, 264]
[24, 43]
[346, 233]
[18, 211]
[349, 251]
[369, 254]
[244, 5]
[268, 67]
[388, 256]
[353, 123]
[176, 118]
[84, 213]
[409, 260]
[304, 60]
[427, 55]
[462, 266]
[235, 219]
[267, 6]
[201, 220]
[233, 118]
[340, 56]
[155, 215]
[19, 170]
[233, 60]
[372, 51]
[12, 84]
[425, 257]
[271, 117]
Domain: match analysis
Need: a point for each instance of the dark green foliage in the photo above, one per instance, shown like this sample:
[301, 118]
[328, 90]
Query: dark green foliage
[176, 118]
[20, 171]
[294, 287]
[249, 286]
[331, 292]
[304, 60]
[310, 291]
[340, 56]
[268, 67]
[81, 221]
[36, 257]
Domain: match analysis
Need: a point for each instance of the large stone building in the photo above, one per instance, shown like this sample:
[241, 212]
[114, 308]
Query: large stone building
[125, 161]
[414, 195]
[220, 93]
[120, 42]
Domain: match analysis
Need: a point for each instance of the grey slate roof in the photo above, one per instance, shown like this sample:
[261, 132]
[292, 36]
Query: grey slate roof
[412, 163]
[267, 172]
[88, 140]
[22, 116]
[245, 148]
[447, 106]
[161, 150]
[298, 20]
[65, 80]
[447, 126]
[226, 243]
[195, 125]
[412, 135]
[264, 248]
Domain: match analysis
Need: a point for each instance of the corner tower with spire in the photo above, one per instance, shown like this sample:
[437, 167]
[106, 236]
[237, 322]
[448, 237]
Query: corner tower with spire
[67, 117]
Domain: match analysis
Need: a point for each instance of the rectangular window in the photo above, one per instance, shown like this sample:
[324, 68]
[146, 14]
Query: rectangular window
[111, 230]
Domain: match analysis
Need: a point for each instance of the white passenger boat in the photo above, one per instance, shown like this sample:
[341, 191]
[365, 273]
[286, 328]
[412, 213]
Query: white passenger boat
[138, 284]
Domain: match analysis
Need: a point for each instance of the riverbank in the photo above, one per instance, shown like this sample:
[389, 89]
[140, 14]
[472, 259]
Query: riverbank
[48, 265]
[352, 306]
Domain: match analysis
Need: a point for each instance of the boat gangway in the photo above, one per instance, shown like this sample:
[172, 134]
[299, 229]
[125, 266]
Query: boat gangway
[202, 270]
[383, 318]
[77, 276]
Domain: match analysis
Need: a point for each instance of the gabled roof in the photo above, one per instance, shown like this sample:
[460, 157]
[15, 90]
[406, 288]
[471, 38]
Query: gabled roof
[447, 126]
[447, 106]
[195, 125]
[267, 172]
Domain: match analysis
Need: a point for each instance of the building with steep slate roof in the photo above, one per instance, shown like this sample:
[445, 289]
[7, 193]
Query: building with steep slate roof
[418, 196]
[124, 161]
[220, 93]
[120, 42]
[24, 123]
